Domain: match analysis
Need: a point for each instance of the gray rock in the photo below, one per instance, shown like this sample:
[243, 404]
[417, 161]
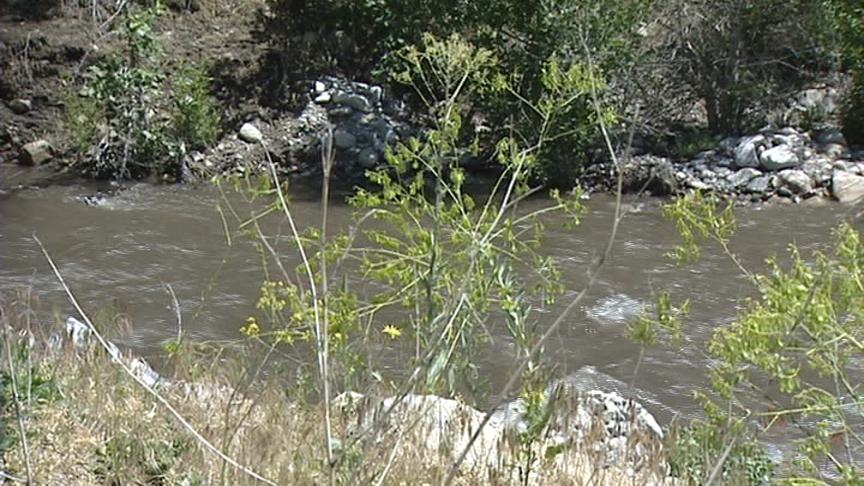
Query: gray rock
[759, 185]
[35, 153]
[727, 146]
[250, 134]
[743, 177]
[340, 112]
[823, 100]
[353, 100]
[846, 187]
[344, 139]
[654, 175]
[830, 135]
[747, 151]
[20, 106]
[367, 158]
[779, 157]
[834, 150]
[797, 181]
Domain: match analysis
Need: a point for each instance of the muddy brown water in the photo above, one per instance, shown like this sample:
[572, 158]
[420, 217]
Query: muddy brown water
[126, 249]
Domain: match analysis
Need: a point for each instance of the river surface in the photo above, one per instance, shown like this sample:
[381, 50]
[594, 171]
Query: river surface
[121, 253]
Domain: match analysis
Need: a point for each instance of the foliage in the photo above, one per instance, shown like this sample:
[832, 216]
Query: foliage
[126, 460]
[848, 22]
[700, 446]
[196, 114]
[528, 38]
[118, 118]
[444, 259]
[802, 335]
[740, 56]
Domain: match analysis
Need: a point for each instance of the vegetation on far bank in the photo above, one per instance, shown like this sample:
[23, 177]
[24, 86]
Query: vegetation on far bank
[680, 73]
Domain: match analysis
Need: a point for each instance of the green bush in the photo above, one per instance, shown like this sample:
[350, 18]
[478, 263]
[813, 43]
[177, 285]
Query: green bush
[196, 114]
[792, 355]
[523, 35]
[125, 122]
[848, 17]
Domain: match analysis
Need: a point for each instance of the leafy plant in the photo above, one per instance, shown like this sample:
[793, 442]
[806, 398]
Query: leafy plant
[802, 336]
[124, 121]
[196, 114]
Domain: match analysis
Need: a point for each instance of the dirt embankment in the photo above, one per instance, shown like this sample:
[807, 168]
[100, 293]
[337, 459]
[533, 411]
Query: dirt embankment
[43, 57]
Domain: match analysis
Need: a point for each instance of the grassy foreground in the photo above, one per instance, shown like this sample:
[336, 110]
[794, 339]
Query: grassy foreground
[86, 421]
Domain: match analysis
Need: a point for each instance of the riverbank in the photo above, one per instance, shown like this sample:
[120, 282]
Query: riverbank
[97, 414]
[802, 156]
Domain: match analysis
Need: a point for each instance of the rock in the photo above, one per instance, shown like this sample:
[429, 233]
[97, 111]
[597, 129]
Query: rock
[727, 146]
[779, 157]
[652, 174]
[834, 150]
[344, 139]
[250, 134]
[830, 135]
[78, 332]
[368, 158]
[20, 106]
[747, 151]
[35, 153]
[323, 98]
[354, 101]
[822, 100]
[846, 187]
[320, 87]
[797, 181]
[742, 177]
[759, 185]
[433, 423]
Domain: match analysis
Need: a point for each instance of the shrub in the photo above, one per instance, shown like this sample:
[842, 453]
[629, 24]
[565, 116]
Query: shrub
[196, 114]
[523, 36]
[126, 123]
[739, 56]
[792, 355]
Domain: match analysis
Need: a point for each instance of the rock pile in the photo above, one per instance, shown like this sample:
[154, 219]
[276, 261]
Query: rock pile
[775, 162]
[364, 123]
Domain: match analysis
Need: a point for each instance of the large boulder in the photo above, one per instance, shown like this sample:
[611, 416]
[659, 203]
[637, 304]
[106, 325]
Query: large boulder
[654, 175]
[847, 187]
[35, 153]
[797, 181]
[748, 150]
[779, 157]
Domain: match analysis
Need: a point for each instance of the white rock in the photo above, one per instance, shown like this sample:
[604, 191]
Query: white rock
[743, 176]
[249, 133]
[779, 157]
[323, 98]
[797, 181]
[320, 87]
[20, 106]
[78, 332]
[747, 151]
[846, 187]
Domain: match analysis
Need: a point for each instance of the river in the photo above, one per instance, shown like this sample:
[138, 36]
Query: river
[122, 253]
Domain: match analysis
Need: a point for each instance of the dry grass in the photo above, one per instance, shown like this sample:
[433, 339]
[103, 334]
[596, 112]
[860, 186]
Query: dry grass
[89, 423]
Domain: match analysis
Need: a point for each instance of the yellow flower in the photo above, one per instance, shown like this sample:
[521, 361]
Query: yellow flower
[392, 331]
[251, 329]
